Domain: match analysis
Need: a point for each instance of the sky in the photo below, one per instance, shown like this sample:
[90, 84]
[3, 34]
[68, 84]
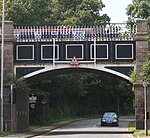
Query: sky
[116, 10]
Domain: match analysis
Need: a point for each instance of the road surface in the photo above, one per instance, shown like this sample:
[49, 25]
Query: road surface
[91, 128]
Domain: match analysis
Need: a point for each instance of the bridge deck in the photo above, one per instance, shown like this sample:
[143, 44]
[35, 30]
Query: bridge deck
[99, 55]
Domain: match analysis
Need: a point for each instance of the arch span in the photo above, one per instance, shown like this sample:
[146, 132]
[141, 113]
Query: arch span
[47, 73]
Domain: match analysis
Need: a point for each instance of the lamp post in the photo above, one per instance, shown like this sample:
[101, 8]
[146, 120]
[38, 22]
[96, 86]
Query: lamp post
[2, 65]
[145, 83]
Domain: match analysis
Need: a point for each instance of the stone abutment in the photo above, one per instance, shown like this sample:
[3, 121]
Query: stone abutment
[142, 48]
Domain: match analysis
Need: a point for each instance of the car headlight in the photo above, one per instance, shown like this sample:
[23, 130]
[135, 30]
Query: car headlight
[103, 120]
[114, 120]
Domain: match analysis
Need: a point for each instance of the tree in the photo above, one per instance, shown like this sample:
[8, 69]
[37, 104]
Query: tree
[80, 94]
[28, 11]
[21, 85]
[42, 12]
[1, 3]
[139, 9]
[146, 70]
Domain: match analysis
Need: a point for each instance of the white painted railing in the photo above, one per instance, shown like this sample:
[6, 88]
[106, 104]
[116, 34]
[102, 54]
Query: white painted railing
[115, 31]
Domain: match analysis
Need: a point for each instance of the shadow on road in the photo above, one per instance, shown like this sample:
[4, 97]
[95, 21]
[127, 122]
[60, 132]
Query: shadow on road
[88, 132]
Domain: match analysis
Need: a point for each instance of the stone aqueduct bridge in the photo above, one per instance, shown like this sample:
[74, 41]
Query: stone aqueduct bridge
[36, 52]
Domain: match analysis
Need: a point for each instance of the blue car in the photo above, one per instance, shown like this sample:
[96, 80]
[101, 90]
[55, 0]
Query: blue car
[110, 119]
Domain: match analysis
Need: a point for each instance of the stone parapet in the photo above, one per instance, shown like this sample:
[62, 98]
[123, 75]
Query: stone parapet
[8, 53]
[8, 29]
[141, 25]
[142, 33]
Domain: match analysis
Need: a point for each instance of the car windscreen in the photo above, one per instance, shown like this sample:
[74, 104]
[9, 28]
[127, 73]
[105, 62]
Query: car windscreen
[110, 115]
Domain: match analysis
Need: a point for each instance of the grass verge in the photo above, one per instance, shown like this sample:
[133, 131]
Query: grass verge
[136, 132]
[5, 133]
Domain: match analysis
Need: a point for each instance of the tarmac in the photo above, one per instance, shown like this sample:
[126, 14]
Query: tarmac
[41, 130]
[45, 129]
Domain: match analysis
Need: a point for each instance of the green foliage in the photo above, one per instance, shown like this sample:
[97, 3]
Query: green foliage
[139, 9]
[28, 11]
[21, 85]
[133, 76]
[81, 94]
[146, 69]
[68, 12]
[131, 126]
[5, 133]
[136, 132]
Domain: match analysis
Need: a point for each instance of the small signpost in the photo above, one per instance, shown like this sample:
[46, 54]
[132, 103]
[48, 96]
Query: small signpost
[44, 102]
[32, 101]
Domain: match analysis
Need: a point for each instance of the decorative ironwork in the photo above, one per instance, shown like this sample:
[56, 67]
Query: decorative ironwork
[118, 31]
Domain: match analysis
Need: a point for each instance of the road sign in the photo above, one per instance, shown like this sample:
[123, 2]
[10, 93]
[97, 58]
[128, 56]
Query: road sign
[74, 61]
[44, 101]
[33, 99]
[32, 105]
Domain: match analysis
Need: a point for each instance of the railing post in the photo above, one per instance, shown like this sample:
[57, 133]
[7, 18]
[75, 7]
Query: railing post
[95, 51]
[54, 45]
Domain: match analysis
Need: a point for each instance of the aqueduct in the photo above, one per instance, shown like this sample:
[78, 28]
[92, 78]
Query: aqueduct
[32, 52]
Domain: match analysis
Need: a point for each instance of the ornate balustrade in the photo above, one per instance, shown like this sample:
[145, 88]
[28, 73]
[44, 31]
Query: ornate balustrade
[115, 31]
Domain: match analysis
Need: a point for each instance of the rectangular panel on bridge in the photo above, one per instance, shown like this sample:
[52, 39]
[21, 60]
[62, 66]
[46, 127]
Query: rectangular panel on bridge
[74, 50]
[42, 52]
[124, 51]
[101, 51]
[47, 52]
[25, 52]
